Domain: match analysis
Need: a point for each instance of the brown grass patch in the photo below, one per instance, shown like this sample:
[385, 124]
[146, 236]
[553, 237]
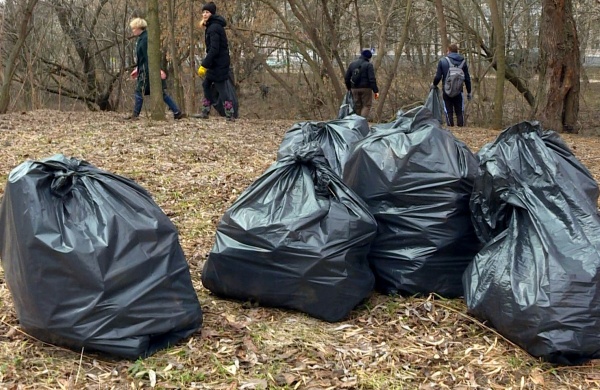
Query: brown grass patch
[195, 170]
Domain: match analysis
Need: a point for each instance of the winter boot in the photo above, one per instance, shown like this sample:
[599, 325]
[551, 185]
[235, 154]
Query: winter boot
[229, 114]
[205, 110]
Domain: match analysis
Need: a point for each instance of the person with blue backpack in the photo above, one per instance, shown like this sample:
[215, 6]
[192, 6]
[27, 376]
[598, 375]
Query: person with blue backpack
[453, 71]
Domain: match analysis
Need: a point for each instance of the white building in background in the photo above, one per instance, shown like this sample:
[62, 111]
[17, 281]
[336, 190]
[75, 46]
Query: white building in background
[591, 57]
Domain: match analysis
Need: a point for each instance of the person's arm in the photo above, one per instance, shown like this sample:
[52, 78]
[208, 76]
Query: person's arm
[214, 37]
[347, 79]
[372, 79]
[438, 74]
[142, 56]
[467, 78]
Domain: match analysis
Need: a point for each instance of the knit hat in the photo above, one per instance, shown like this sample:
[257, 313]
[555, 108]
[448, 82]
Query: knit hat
[366, 53]
[210, 7]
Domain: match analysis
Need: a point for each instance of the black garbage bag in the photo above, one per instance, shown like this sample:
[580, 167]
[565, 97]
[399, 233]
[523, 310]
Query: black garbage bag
[230, 94]
[334, 137]
[536, 280]
[92, 262]
[347, 106]
[434, 104]
[416, 179]
[297, 238]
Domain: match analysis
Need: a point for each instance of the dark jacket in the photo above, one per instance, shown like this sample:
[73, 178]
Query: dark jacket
[217, 59]
[443, 66]
[367, 75]
[141, 54]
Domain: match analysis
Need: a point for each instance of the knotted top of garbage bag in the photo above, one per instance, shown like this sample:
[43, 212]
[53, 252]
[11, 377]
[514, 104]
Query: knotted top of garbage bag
[311, 153]
[66, 173]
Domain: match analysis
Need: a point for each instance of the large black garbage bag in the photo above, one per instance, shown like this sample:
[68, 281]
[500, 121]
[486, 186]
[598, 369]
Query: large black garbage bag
[434, 103]
[297, 238]
[230, 94]
[536, 281]
[416, 179]
[92, 262]
[347, 106]
[335, 137]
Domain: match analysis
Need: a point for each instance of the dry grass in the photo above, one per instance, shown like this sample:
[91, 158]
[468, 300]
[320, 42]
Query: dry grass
[195, 170]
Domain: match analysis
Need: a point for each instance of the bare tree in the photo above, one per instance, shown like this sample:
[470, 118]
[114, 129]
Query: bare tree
[439, 11]
[156, 92]
[558, 93]
[176, 77]
[397, 51]
[11, 63]
[499, 59]
[192, 56]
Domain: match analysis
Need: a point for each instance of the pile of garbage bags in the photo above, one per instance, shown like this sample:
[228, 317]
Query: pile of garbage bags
[402, 208]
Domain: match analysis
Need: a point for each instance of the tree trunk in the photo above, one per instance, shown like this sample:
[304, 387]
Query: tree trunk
[192, 28]
[11, 63]
[361, 42]
[557, 105]
[439, 11]
[157, 111]
[397, 54]
[499, 58]
[176, 77]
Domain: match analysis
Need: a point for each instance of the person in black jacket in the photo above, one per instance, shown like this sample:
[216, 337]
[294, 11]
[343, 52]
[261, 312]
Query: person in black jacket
[215, 66]
[365, 83]
[138, 28]
[453, 105]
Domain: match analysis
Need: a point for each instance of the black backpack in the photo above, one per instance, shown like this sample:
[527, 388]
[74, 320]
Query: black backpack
[355, 77]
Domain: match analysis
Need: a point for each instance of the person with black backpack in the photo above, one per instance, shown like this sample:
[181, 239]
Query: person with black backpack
[360, 79]
[453, 71]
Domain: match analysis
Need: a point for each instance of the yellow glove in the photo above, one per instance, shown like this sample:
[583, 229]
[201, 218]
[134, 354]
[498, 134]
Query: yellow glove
[376, 95]
[201, 71]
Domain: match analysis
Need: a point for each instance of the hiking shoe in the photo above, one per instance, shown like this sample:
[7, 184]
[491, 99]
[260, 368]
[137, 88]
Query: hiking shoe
[131, 117]
[202, 115]
[230, 119]
[179, 115]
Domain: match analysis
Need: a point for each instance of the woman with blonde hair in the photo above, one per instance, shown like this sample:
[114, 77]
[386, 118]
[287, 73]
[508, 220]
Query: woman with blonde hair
[138, 28]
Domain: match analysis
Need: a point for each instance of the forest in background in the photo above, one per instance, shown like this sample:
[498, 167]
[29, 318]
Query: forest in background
[289, 56]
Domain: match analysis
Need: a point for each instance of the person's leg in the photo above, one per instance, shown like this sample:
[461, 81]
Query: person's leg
[172, 105]
[367, 102]
[224, 96]
[357, 100]
[458, 108]
[449, 108]
[138, 99]
[208, 99]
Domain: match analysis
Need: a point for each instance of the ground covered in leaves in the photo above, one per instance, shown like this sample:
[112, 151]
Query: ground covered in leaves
[195, 170]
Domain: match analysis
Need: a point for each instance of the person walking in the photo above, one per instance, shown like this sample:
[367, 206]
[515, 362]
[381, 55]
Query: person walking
[453, 104]
[215, 66]
[138, 28]
[360, 80]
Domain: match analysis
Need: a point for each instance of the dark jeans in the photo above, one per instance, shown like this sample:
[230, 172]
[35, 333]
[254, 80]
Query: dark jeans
[454, 105]
[363, 100]
[139, 101]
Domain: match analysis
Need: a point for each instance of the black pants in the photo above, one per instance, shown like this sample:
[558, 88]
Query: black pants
[454, 105]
